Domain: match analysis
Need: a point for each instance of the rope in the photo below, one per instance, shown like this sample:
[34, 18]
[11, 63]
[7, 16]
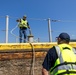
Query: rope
[13, 33]
[33, 62]
[33, 56]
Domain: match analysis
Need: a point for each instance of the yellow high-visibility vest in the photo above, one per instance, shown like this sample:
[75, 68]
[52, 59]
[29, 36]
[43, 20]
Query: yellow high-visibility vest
[66, 62]
[23, 23]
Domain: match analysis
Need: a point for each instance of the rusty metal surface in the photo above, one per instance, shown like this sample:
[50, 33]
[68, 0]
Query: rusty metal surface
[25, 50]
[25, 55]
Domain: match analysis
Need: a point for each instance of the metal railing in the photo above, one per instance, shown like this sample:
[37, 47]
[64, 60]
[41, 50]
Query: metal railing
[47, 26]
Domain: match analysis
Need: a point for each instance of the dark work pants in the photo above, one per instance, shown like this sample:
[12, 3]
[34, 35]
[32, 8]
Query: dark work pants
[22, 32]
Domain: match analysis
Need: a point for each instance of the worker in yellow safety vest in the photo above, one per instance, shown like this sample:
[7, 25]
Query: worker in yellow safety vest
[23, 25]
[60, 59]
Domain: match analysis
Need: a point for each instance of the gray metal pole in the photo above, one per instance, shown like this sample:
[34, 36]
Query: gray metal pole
[7, 23]
[49, 30]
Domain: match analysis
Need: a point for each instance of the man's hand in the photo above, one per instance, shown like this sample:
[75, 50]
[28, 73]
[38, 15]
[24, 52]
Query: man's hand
[29, 27]
[18, 20]
[44, 71]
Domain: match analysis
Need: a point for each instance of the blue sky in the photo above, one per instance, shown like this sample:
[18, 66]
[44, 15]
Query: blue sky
[64, 11]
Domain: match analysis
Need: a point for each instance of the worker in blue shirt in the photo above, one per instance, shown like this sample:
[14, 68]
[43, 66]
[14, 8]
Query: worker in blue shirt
[23, 25]
[60, 59]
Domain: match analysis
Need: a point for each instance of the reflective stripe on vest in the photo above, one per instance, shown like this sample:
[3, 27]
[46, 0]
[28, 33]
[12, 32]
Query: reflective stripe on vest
[23, 23]
[62, 66]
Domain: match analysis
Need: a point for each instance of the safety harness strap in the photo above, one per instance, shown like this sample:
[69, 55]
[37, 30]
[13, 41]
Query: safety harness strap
[67, 72]
[65, 63]
[74, 50]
